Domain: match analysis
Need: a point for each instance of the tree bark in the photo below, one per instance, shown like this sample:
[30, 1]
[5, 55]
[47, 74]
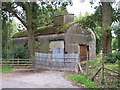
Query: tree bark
[106, 33]
[30, 31]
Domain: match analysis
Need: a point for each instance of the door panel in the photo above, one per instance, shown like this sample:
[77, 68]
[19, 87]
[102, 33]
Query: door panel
[83, 52]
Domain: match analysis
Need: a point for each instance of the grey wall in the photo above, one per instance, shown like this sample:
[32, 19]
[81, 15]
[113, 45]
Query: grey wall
[22, 40]
[43, 42]
[75, 36]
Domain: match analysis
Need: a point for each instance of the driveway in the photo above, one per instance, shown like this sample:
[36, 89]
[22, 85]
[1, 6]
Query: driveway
[36, 79]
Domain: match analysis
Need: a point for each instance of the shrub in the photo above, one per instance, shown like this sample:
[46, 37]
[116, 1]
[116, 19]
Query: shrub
[20, 51]
[112, 57]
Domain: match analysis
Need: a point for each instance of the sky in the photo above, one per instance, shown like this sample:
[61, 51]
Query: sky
[79, 8]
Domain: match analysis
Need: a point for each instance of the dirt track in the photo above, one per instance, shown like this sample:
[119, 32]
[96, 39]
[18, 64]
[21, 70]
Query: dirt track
[36, 79]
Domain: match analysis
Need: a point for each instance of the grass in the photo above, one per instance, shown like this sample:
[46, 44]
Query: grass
[93, 66]
[110, 77]
[6, 69]
[82, 80]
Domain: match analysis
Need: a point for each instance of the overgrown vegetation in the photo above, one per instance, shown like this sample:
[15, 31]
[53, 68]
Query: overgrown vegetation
[111, 72]
[112, 57]
[18, 51]
[82, 80]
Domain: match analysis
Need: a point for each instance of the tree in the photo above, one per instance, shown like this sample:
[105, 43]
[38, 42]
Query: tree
[94, 22]
[9, 27]
[27, 12]
[29, 16]
[106, 31]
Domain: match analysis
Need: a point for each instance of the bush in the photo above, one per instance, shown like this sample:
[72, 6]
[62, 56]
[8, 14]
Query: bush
[112, 57]
[20, 51]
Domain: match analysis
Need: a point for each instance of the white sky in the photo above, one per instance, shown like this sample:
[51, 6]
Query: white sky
[81, 8]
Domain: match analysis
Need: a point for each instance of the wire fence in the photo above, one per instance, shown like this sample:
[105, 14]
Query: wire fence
[66, 62]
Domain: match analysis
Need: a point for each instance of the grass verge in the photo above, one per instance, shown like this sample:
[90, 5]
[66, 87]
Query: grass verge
[6, 69]
[81, 80]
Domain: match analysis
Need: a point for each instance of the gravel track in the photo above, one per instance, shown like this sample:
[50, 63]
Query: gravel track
[36, 79]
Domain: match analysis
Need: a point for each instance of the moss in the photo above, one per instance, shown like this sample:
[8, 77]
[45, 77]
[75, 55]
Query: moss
[89, 39]
[22, 33]
[45, 30]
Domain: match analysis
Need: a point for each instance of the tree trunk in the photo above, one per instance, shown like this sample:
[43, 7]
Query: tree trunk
[119, 39]
[106, 33]
[30, 31]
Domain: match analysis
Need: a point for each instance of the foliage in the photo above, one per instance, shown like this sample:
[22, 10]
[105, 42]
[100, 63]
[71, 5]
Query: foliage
[114, 43]
[112, 66]
[94, 22]
[60, 11]
[112, 57]
[80, 79]
[20, 51]
[31, 15]
[6, 69]
[43, 13]
[9, 27]
[111, 78]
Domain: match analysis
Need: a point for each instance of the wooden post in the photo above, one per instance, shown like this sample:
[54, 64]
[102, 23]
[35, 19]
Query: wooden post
[79, 65]
[18, 62]
[102, 70]
[87, 65]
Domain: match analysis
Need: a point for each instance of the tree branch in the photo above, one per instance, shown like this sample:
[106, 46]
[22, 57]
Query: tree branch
[15, 14]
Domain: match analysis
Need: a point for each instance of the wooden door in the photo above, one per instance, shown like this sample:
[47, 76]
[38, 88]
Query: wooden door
[83, 52]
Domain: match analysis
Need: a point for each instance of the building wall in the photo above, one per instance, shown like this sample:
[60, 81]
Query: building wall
[18, 41]
[75, 36]
[43, 43]
[63, 19]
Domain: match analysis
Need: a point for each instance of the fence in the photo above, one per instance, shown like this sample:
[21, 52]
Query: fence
[16, 62]
[56, 61]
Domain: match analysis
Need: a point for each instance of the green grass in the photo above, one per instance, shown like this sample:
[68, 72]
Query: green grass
[6, 69]
[82, 80]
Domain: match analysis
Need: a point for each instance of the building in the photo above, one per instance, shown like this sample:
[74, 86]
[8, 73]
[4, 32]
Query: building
[63, 37]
